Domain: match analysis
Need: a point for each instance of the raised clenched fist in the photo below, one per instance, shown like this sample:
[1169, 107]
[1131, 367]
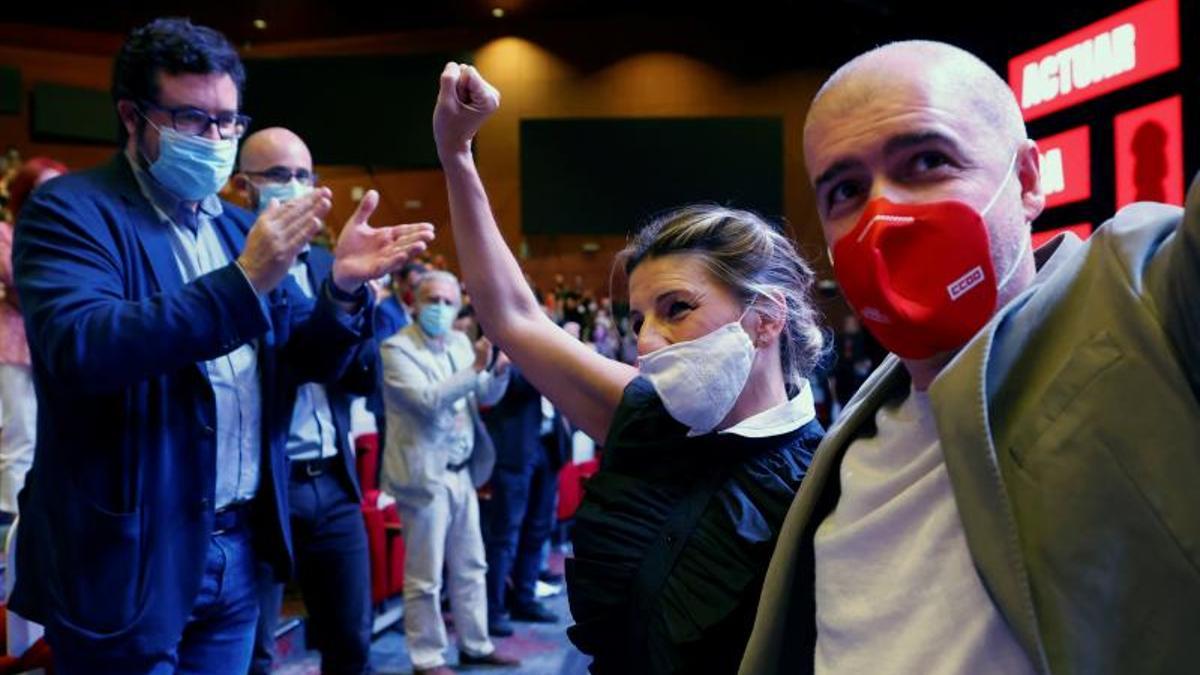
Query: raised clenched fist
[465, 102]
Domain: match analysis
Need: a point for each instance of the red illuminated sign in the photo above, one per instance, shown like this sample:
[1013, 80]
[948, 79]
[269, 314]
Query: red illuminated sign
[1127, 47]
[1149, 153]
[1066, 166]
[1082, 230]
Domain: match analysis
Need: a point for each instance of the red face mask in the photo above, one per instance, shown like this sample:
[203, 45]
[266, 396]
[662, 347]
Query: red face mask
[919, 275]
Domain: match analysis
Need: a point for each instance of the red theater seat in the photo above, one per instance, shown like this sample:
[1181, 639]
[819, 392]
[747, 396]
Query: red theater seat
[385, 544]
[37, 656]
[570, 486]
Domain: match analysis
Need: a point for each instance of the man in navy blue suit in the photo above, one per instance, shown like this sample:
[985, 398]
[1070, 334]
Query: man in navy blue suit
[328, 536]
[521, 512]
[392, 314]
[164, 332]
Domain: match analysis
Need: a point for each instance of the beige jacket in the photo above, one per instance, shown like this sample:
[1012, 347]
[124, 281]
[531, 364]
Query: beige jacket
[1071, 430]
[420, 412]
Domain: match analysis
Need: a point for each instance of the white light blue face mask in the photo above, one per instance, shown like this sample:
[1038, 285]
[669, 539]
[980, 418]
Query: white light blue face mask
[281, 191]
[436, 318]
[192, 167]
[699, 380]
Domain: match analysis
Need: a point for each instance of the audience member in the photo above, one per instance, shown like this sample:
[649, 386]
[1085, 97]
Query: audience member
[18, 401]
[329, 541]
[705, 445]
[1011, 491]
[522, 506]
[158, 334]
[437, 452]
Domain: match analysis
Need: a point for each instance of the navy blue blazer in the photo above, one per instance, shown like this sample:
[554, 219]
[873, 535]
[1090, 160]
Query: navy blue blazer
[515, 425]
[117, 509]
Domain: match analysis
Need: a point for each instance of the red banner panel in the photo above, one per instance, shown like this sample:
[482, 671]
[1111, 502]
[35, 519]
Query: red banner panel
[1149, 153]
[1127, 47]
[1066, 166]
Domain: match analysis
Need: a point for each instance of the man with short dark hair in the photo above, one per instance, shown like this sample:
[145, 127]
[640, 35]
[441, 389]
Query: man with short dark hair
[162, 325]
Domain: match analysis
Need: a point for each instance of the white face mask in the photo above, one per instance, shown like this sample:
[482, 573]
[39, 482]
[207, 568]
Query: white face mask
[700, 380]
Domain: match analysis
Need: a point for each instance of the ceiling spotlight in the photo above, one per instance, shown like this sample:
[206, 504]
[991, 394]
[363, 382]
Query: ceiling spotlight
[260, 24]
[498, 12]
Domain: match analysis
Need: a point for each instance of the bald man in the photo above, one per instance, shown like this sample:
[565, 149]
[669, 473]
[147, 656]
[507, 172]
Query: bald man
[1014, 489]
[323, 494]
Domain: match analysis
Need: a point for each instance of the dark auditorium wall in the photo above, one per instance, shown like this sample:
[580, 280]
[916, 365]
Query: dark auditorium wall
[537, 82]
[45, 56]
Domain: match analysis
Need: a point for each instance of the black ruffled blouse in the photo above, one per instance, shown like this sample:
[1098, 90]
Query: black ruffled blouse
[673, 539]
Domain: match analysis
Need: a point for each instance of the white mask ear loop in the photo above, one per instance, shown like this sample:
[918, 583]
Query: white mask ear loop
[1016, 263]
[1007, 174]
[746, 311]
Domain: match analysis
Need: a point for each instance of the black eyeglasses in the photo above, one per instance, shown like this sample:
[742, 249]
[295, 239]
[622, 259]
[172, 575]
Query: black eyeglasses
[194, 121]
[282, 174]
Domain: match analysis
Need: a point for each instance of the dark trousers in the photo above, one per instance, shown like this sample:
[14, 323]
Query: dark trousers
[520, 517]
[219, 634]
[332, 569]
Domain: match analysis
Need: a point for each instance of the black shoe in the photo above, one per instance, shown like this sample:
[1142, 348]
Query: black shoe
[500, 627]
[534, 612]
[493, 659]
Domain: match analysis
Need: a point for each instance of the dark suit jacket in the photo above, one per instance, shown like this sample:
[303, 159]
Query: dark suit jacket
[359, 378]
[117, 510]
[515, 425]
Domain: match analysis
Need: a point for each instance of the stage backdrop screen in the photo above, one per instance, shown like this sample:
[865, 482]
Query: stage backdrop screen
[607, 176]
[72, 114]
[358, 110]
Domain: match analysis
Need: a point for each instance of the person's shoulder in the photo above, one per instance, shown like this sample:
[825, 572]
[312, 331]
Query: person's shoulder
[811, 433]
[459, 344]
[239, 216]
[641, 418]
[99, 182]
[1123, 245]
[83, 200]
[1138, 229]
[402, 339]
[391, 307]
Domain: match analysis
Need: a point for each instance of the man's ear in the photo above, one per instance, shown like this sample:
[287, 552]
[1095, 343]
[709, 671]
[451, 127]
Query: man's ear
[128, 114]
[1029, 176]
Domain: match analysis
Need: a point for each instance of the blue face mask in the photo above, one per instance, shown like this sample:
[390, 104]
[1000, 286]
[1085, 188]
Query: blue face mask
[281, 191]
[192, 167]
[437, 318]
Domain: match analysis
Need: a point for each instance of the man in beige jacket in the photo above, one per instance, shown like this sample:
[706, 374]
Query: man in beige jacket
[436, 453]
[1015, 489]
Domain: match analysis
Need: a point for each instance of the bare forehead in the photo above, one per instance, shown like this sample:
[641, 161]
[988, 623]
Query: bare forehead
[910, 89]
[866, 108]
[275, 147]
[441, 288]
[665, 274]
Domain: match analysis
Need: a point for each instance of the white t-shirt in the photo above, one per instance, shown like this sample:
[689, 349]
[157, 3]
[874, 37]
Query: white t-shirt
[897, 591]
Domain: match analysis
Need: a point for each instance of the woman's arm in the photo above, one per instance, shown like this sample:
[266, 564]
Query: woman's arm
[583, 384]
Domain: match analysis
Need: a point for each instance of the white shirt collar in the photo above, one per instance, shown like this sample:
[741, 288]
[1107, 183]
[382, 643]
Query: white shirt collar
[783, 418]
